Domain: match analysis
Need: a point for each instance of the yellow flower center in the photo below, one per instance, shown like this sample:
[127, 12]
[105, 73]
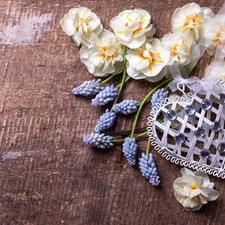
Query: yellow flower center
[138, 29]
[104, 48]
[142, 55]
[104, 55]
[80, 21]
[174, 50]
[218, 35]
[193, 187]
[152, 58]
[194, 20]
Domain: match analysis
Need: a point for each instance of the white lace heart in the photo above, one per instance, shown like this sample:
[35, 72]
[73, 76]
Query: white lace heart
[190, 130]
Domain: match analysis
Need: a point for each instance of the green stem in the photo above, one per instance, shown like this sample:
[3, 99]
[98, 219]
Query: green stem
[166, 88]
[148, 147]
[143, 102]
[123, 78]
[136, 136]
[117, 140]
[127, 79]
[188, 68]
[160, 120]
[138, 104]
[140, 135]
[111, 76]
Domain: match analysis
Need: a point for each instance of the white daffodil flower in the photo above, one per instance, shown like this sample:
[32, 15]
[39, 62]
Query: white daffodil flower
[189, 18]
[194, 189]
[214, 34]
[148, 62]
[216, 70]
[104, 54]
[81, 23]
[132, 27]
[180, 47]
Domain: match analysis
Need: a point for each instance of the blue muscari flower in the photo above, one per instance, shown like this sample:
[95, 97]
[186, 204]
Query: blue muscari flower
[108, 94]
[148, 169]
[125, 107]
[106, 121]
[158, 96]
[88, 88]
[98, 140]
[130, 150]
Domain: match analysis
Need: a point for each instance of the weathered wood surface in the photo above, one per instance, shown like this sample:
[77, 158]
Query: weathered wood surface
[55, 178]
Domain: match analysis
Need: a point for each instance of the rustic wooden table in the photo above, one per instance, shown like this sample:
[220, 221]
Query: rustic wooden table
[48, 176]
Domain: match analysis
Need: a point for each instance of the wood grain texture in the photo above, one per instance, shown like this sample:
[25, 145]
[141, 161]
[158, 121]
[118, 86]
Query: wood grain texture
[54, 177]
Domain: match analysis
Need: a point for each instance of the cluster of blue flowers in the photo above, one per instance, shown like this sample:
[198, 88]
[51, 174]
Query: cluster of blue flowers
[125, 107]
[88, 88]
[158, 96]
[148, 169]
[130, 150]
[104, 95]
[98, 140]
[106, 121]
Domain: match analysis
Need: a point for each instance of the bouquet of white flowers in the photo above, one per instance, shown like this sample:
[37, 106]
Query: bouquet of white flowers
[130, 50]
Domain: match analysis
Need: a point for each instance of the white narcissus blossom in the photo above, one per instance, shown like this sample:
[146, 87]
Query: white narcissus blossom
[189, 18]
[104, 54]
[214, 34]
[194, 189]
[148, 62]
[180, 47]
[132, 27]
[81, 23]
[216, 70]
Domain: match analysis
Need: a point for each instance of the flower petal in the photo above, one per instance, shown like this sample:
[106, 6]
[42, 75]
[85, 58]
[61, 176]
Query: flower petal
[136, 42]
[142, 64]
[212, 194]
[132, 27]
[193, 190]
[82, 24]
[135, 74]
[205, 177]
[203, 199]
[103, 55]
[67, 24]
[186, 171]
[195, 203]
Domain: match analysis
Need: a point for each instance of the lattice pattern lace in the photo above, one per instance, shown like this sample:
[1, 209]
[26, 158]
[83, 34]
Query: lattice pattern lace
[197, 152]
